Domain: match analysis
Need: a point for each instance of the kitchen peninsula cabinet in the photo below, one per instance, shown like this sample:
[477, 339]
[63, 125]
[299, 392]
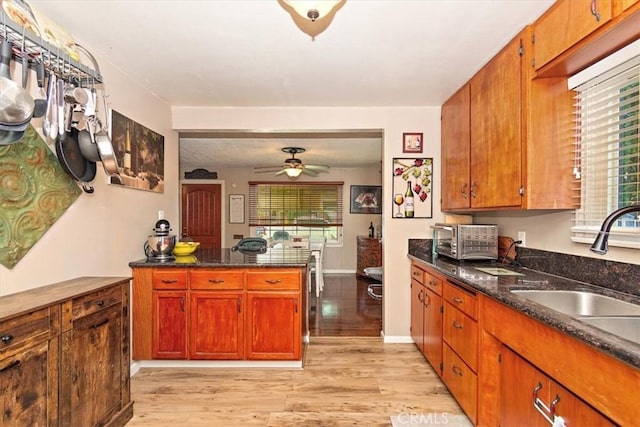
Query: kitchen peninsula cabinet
[224, 306]
[513, 153]
[170, 311]
[64, 354]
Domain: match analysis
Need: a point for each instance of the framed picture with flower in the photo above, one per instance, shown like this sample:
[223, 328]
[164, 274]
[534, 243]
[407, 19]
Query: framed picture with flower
[412, 185]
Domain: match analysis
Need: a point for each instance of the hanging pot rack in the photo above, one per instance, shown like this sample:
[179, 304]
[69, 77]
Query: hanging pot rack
[55, 60]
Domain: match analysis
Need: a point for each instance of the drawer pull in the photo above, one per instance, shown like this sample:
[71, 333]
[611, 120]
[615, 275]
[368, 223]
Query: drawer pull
[433, 284]
[457, 300]
[216, 280]
[239, 302]
[97, 325]
[273, 282]
[11, 365]
[100, 303]
[6, 338]
[169, 280]
[457, 325]
[295, 305]
[456, 370]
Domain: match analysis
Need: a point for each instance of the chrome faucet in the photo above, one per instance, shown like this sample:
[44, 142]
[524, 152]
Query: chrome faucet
[600, 245]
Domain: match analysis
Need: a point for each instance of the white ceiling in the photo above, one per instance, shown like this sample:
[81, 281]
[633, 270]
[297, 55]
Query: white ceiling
[249, 53]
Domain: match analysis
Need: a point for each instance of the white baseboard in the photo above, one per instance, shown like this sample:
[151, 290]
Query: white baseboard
[398, 339]
[339, 271]
[243, 364]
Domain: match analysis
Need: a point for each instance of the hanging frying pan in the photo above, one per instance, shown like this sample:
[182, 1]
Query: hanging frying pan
[72, 160]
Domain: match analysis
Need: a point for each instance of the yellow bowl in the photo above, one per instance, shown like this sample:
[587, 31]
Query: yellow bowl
[185, 248]
[186, 259]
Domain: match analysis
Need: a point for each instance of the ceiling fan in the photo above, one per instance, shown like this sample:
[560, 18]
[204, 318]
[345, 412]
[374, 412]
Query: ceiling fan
[293, 166]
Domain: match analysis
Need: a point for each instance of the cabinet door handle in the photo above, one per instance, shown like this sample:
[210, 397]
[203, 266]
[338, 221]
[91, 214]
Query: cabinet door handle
[457, 325]
[473, 190]
[182, 304]
[463, 190]
[295, 305]
[594, 10]
[6, 338]
[169, 280]
[457, 300]
[273, 282]
[456, 370]
[11, 365]
[216, 280]
[100, 303]
[97, 325]
[433, 284]
[421, 296]
[239, 302]
[548, 412]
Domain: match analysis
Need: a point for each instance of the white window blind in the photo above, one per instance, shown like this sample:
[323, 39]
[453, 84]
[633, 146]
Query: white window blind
[303, 208]
[607, 158]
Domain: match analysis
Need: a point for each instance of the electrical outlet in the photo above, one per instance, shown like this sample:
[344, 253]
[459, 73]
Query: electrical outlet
[522, 236]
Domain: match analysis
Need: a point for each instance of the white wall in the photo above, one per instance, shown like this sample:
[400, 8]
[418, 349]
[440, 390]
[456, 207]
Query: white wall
[393, 122]
[102, 232]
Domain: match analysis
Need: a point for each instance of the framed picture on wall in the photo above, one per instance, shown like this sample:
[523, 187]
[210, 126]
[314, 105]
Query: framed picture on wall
[365, 199]
[412, 184]
[412, 142]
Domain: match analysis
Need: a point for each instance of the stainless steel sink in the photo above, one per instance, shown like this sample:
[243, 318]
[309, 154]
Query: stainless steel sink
[625, 327]
[580, 303]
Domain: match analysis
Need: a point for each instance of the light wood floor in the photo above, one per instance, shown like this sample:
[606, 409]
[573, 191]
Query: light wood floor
[346, 380]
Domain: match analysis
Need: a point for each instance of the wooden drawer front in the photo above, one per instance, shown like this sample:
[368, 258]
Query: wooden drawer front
[85, 305]
[461, 333]
[432, 282]
[28, 327]
[273, 279]
[169, 279]
[461, 299]
[417, 273]
[462, 382]
[216, 279]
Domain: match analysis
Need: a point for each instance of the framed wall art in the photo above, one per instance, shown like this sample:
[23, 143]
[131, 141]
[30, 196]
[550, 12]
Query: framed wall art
[412, 184]
[365, 199]
[140, 154]
[236, 208]
[412, 142]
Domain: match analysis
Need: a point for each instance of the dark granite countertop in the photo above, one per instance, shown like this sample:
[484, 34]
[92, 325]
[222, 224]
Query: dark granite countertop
[499, 287]
[233, 259]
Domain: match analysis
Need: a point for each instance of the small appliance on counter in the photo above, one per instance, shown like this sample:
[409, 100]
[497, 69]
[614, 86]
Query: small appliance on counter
[466, 241]
[159, 246]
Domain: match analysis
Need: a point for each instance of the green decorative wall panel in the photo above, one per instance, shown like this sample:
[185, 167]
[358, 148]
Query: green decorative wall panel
[34, 192]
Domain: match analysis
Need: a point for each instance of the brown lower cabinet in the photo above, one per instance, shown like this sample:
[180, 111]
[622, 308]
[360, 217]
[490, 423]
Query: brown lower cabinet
[530, 397]
[506, 368]
[218, 313]
[64, 354]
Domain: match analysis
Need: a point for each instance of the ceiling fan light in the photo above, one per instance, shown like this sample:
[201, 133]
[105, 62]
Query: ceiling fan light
[293, 172]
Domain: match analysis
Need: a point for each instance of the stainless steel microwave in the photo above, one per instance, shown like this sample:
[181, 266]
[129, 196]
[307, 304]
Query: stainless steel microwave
[466, 241]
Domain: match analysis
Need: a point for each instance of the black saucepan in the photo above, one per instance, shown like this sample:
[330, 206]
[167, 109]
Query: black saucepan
[72, 160]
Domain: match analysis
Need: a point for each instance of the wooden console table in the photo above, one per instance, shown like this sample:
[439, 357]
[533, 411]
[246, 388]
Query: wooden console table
[369, 254]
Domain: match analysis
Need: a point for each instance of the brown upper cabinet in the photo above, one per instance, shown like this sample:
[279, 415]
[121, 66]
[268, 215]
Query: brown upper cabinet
[505, 137]
[564, 24]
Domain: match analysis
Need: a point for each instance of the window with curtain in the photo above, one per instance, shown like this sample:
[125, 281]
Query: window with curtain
[607, 156]
[311, 209]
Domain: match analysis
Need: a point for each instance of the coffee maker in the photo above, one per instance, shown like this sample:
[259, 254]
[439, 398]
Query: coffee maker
[159, 246]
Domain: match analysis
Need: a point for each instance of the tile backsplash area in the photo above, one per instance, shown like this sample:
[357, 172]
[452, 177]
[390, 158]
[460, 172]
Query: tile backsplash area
[618, 276]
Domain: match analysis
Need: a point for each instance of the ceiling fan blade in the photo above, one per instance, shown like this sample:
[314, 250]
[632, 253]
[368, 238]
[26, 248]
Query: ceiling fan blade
[266, 170]
[309, 172]
[317, 167]
[280, 172]
[275, 168]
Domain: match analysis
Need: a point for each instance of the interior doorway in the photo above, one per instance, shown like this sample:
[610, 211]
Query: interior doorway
[202, 214]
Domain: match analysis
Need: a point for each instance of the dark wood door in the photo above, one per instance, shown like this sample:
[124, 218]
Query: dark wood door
[202, 214]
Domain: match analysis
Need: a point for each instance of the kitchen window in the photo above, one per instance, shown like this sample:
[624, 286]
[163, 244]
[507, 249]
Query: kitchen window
[311, 209]
[607, 156]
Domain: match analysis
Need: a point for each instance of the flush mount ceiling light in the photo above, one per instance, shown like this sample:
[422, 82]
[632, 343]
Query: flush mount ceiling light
[312, 16]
